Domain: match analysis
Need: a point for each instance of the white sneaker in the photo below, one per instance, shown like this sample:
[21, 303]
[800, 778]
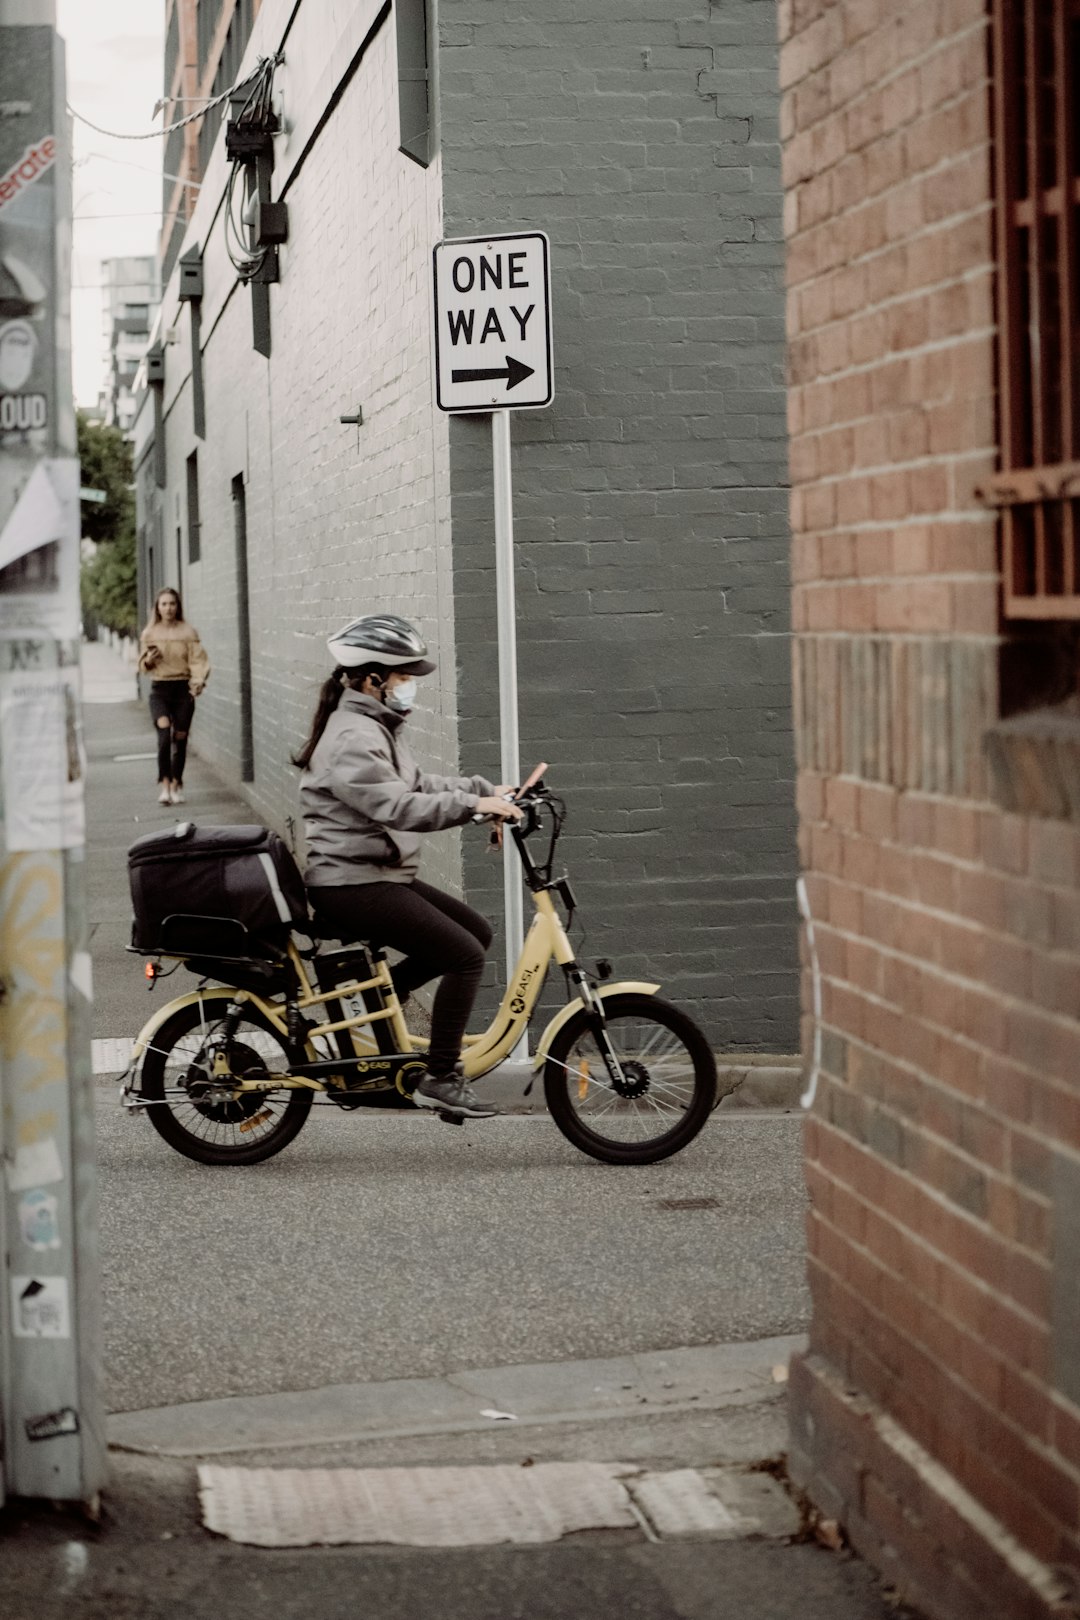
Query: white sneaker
[165, 796]
[177, 796]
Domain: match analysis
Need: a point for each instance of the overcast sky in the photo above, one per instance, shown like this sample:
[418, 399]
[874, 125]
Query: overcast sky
[114, 74]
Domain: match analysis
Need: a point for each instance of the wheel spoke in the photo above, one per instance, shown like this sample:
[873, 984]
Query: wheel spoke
[224, 1125]
[660, 1086]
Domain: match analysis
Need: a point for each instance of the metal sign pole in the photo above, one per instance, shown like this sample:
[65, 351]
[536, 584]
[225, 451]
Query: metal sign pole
[510, 747]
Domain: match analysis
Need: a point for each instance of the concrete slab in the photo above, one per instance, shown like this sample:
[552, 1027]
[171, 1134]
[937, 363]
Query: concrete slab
[701, 1378]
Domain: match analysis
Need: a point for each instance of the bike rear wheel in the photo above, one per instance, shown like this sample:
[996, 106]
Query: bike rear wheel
[667, 1092]
[212, 1127]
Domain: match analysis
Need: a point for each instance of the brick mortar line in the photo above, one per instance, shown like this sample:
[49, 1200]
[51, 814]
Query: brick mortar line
[941, 915]
[991, 1290]
[969, 93]
[999, 1176]
[905, 181]
[824, 580]
[912, 520]
[911, 296]
[933, 1254]
[909, 1068]
[979, 334]
[1056, 1459]
[937, 49]
[932, 228]
[890, 636]
[874, 1000]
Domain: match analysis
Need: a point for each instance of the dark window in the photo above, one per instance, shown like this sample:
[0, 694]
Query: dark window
[1037, 159]
[194, 548]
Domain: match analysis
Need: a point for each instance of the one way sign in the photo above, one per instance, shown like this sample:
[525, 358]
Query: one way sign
[493, 323]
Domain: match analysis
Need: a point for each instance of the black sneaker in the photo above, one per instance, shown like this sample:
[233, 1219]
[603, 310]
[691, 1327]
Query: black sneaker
[451, 1094]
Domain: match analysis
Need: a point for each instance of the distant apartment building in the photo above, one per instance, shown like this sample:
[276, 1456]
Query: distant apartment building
[204, 45]
[131, 296]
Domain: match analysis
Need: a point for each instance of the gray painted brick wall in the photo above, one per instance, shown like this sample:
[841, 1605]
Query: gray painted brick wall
[650, 499]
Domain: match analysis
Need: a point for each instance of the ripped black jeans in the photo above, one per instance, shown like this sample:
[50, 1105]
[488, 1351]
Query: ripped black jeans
[439, 935]
[171, 701]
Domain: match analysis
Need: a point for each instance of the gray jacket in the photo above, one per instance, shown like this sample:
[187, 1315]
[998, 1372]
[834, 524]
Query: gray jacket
[365, 801]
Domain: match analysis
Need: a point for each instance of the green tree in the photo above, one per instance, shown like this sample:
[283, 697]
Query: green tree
[109, 589]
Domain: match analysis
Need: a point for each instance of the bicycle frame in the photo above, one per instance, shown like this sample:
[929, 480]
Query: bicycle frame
[545, 942]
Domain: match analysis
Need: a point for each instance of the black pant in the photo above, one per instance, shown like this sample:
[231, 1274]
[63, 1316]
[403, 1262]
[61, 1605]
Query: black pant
[171, 701]
[439, 935]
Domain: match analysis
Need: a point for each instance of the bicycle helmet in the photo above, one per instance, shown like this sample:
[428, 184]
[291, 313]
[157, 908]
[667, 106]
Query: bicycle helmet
[381, 638]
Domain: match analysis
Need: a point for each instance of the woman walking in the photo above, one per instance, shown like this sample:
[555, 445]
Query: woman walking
[175, 659]
[365, 804]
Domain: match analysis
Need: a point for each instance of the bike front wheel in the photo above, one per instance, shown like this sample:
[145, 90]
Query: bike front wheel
[201, 1120]
[666, 1092]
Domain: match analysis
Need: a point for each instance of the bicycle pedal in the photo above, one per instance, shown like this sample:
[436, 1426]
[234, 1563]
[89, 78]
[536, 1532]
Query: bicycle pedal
[451, 1119]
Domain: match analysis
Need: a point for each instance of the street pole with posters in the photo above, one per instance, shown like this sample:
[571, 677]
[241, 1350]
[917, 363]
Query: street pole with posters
[52, 1441]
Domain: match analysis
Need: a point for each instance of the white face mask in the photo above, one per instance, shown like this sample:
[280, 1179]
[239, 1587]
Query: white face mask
[402, 698]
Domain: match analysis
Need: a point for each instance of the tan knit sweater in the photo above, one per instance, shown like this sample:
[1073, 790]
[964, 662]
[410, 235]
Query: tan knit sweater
[173, 652]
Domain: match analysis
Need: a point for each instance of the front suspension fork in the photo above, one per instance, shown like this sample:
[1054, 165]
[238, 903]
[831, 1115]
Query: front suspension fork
[594, 1008]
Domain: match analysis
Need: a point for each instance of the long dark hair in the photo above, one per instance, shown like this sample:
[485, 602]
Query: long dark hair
[329, 697]
[155, 613]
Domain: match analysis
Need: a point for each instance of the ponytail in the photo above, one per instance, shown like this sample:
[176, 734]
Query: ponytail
[329, 698]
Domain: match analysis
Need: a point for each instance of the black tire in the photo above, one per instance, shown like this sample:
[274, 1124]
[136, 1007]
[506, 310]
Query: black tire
[644, 1031]
[211, 1131]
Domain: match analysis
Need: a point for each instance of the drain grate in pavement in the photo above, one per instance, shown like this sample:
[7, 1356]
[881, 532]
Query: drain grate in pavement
[688, 1203]
[485, 1505]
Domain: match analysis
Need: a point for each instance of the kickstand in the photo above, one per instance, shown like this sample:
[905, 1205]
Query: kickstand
[451, 1119]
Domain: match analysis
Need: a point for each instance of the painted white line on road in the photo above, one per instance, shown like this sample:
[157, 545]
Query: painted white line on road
[111, 1056]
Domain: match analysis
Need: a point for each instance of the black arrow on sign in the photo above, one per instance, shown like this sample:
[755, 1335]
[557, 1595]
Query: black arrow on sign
[514, 371]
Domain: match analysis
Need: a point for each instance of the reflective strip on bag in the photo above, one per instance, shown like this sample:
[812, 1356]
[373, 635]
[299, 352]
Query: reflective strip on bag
[280, 901]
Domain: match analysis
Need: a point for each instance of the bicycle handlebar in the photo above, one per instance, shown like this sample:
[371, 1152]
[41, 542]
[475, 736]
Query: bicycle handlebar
[530, 781]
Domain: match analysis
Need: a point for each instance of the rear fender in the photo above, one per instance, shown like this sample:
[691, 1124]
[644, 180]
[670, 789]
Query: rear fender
[622, 987]
[222, 993]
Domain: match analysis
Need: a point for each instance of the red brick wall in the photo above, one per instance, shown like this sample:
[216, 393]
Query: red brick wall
[943, 1151]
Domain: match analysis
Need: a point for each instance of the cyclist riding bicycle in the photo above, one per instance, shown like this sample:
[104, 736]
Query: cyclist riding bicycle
[365, 805]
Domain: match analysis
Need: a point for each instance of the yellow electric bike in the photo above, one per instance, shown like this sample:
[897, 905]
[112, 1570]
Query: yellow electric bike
[229, 1072]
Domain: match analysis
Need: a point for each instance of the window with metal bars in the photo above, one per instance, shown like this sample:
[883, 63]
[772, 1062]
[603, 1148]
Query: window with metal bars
[1036, 63]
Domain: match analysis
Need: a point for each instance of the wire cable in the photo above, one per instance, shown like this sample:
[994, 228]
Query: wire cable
[258, 73]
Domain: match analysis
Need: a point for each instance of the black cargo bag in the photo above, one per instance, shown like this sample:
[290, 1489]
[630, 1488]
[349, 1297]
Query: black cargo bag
[214, 891]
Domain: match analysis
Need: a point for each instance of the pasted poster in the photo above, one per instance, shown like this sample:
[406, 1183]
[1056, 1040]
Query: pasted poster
[41, 760]
[39, 520]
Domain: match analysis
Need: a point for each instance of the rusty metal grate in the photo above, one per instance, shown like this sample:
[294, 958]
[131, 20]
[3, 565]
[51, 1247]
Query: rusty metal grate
[1036, 46]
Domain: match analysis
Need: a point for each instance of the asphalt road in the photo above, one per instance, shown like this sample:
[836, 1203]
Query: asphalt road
[384, 1246]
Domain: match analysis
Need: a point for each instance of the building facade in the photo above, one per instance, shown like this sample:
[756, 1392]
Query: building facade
[205, 41]
[131, 294]
[650, 498]
[931, 185]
